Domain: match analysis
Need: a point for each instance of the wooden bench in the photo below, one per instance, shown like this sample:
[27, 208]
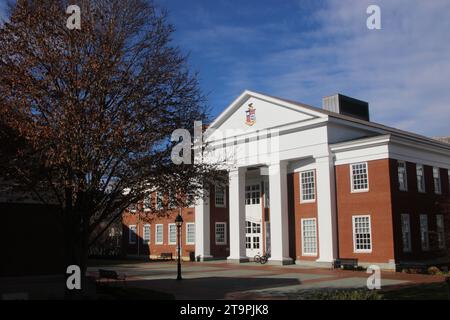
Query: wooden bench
[166, 255]
[346, 264]
[110, 275]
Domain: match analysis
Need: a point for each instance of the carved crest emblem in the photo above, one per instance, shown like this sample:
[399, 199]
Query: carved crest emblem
[250, 115]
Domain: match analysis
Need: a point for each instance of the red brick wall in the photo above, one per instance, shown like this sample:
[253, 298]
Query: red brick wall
[416, 203]
[218, 214]
[152, 248]
[299, 211]
[376, 203]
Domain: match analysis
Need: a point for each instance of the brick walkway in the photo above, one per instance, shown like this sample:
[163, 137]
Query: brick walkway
[221, 280]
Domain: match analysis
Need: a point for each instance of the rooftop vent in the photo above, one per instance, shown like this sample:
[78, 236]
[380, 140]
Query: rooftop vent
[344, 105]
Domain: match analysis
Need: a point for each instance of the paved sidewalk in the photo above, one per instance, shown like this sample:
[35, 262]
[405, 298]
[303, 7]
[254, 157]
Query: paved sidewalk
[222, 280]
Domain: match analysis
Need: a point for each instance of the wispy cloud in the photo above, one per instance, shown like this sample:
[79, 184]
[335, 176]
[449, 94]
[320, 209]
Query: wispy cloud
[316, 48]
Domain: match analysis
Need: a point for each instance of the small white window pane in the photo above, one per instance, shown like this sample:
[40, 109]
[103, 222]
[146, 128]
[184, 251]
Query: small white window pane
[252, 194]
[309, 237]
[220, 196]
[146, 233]
[362, 236]
[308, 189]
[190, 233]
[360, 177]
[159, 236]
[220, 233]
[172, 233]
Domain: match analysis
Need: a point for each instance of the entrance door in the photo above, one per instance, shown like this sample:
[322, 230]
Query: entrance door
[253, 239]
[253, 217]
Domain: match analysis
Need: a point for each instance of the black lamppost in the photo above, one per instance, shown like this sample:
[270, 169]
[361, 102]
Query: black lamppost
[179, 223]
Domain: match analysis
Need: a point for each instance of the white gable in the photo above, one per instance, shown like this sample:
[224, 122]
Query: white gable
[268, 113]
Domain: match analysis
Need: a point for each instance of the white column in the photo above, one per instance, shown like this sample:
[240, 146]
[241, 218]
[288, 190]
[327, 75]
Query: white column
[326, 207]
[237, 215]
[202, 229]
[279, 230]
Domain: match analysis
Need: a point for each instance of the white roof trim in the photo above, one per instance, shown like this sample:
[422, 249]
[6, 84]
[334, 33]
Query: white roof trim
[248, 94]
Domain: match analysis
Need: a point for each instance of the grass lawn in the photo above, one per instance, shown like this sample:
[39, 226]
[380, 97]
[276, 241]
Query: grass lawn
[431, 291]
[111, 292]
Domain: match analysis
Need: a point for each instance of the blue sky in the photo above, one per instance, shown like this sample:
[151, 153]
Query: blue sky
[306, 49]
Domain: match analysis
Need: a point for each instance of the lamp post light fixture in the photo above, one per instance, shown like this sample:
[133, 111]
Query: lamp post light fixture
[179, 223]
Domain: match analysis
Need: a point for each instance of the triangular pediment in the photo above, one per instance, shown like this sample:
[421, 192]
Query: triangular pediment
[252, 112]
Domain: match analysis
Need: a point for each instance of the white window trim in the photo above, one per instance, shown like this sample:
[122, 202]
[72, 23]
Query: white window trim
[301, 187]
[354, 234]
[149, 231]
[224, 205]
[303, 243]
[187, 224]
[156, 234]
[406, 175]
[351, 177]
[423, 179]
[168, 233]
[129, 233]
[225, 232]
[406, 250]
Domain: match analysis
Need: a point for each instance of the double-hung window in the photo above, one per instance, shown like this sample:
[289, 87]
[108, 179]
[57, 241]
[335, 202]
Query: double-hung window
[420, 178]
[362, 234]
[307, 186]
[146, 233]
[221, 233]
[159, 234]
[309, 237]
[437, 181]
[159, 201]
[406, 232]
[402, 176]
[172, 233]
[147, 202]
[359, 177]
[424, 236]
[190, 233]
[220, 196]
[252, 194]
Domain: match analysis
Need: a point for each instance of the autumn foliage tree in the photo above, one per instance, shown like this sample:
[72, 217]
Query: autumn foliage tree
[86, 115]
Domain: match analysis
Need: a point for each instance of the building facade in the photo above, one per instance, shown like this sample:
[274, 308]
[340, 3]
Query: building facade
[309, 185]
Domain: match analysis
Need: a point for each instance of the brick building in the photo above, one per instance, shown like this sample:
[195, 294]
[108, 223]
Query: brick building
[310, 185]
